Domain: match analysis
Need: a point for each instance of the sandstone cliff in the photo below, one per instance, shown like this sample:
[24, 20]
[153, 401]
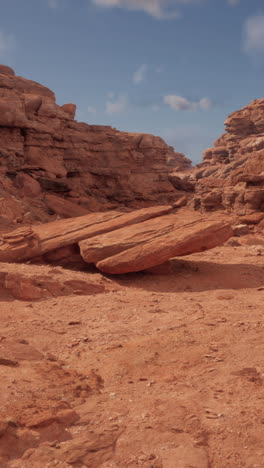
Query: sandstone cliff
[52, 164]
[231, 175]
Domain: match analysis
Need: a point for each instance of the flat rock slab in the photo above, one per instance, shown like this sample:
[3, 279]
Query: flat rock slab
[121, 242]
[26, 243]
[112, 243]
[156, 243]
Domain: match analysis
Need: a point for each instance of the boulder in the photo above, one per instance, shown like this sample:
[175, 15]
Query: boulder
[103, 246]
[25, 243]
[112, 243]
[170, 238]
[117, 242]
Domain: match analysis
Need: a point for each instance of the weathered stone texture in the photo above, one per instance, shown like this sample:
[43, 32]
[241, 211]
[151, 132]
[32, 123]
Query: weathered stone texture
[232, 172]
[94, 166]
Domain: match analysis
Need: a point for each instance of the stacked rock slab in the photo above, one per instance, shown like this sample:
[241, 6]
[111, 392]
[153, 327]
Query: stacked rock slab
[43, 150]
[29, 242]
[119, 243]
[231, 175]
[155, 241]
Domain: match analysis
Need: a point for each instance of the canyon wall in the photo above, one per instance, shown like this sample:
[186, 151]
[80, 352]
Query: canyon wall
[231, 175]
[52, 164]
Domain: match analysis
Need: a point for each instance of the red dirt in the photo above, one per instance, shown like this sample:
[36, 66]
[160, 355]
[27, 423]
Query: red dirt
[158, 371]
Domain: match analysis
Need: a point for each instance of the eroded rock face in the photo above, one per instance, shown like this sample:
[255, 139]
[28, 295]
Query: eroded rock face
[43, 150]
[231, 175]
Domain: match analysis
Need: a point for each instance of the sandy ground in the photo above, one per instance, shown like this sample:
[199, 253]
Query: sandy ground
[157, 371]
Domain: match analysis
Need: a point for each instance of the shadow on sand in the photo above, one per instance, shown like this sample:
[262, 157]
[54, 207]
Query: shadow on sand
[196, 276]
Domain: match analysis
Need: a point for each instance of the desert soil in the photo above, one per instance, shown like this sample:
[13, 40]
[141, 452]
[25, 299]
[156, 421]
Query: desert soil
[161, 370]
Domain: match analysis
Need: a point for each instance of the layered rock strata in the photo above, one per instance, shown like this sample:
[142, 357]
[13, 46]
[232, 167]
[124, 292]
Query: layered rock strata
[231, 175]
[43, 150]
[119, 243]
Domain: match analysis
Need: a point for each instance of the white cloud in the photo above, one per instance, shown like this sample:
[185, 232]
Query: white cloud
[157, 8]
[140, 74]
[7, 43]
[160, 9]
[180, 103]
[53, 3]
[233, 2]
[118, 105]
[254, 34]
[191, 139]
[91, 110]
[205, 104]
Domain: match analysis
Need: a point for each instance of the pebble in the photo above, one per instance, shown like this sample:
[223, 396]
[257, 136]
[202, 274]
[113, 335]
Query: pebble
[8, 362]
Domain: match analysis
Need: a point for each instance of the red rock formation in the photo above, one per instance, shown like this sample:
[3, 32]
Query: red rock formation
[44, 150]
[154, 241]
[26, 242]
[115, 242]
[232, 173]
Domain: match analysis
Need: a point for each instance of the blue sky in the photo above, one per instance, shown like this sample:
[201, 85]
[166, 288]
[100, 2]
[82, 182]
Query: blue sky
[175, 68]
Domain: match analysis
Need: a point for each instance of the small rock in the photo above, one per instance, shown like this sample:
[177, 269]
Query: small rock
[225, 297]
[8, 362]
[241, 230]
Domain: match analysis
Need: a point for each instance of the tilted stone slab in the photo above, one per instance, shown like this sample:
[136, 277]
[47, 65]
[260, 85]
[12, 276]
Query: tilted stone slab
[183, 238]
[29, 242]
[112, 243]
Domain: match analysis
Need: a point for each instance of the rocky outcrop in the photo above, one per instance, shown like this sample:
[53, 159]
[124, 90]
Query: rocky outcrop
[136, 251]
[231, 175]
[118, 243]
[53, 167]
[43, 150]
[29, 242]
